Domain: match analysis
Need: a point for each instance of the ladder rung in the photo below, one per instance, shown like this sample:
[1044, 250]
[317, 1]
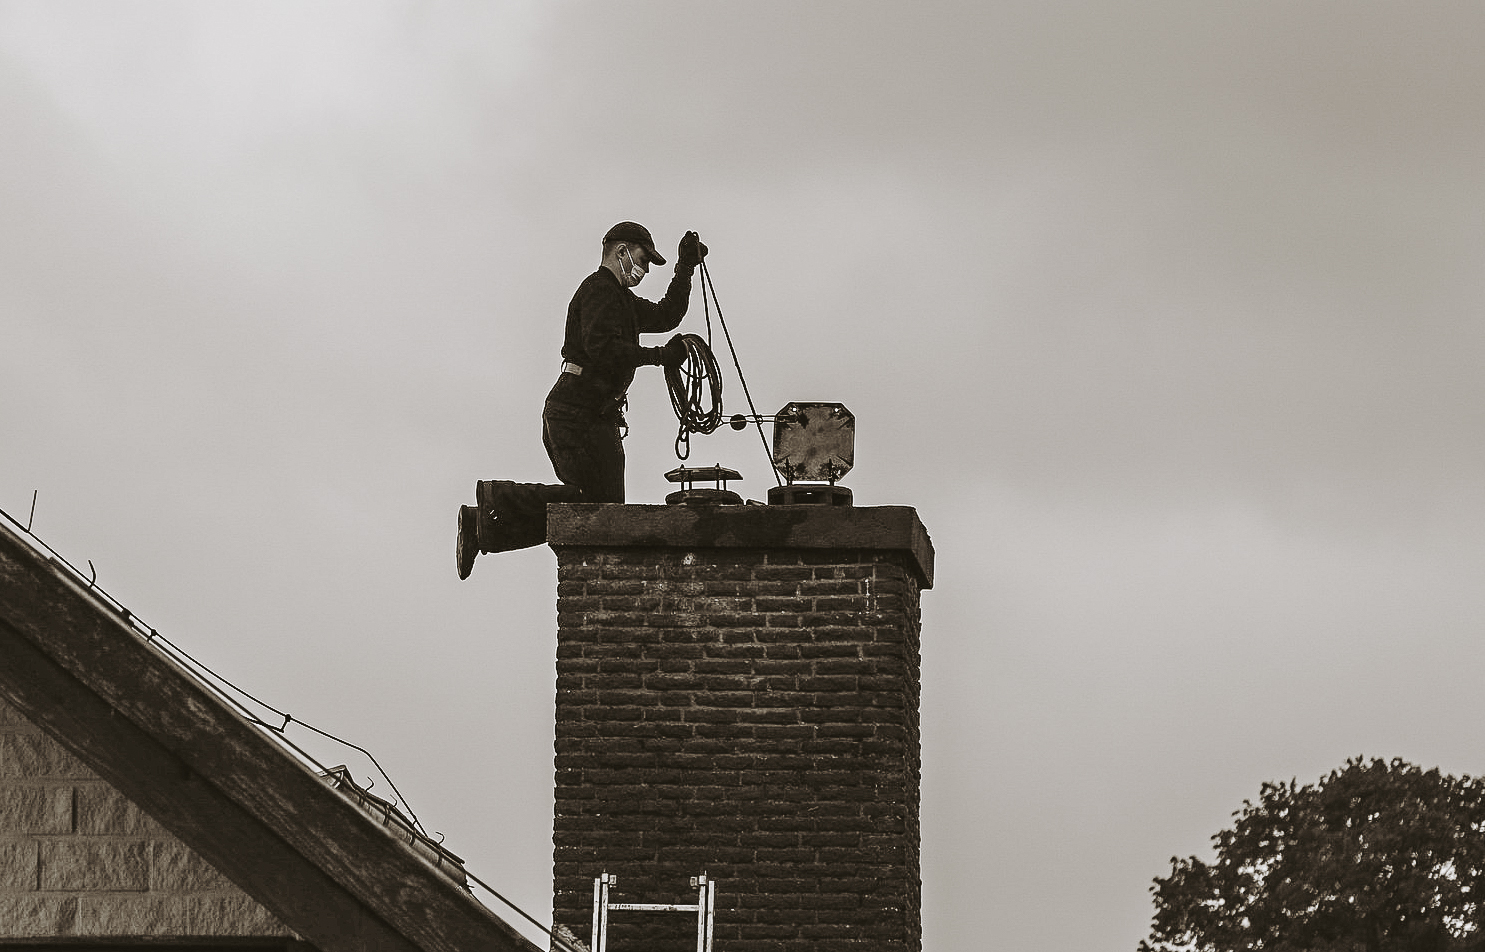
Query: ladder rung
[704, 907]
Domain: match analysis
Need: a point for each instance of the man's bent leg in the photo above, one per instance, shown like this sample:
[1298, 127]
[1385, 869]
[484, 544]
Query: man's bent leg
[588, 456]
[608, 473]
[514, 515]
[586, 451]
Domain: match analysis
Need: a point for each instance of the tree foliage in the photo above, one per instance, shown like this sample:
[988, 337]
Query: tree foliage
[1375, 857]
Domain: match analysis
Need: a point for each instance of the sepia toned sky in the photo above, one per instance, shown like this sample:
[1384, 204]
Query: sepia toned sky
[1166, 316]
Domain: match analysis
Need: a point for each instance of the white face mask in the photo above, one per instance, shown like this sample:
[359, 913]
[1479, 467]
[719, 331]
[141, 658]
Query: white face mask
[633, 272]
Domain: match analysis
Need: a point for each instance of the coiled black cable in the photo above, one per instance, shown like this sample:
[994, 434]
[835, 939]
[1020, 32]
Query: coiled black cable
[695, 387]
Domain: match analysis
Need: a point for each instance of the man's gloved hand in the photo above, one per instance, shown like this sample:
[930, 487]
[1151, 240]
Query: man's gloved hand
[690, 252]
[673, 354]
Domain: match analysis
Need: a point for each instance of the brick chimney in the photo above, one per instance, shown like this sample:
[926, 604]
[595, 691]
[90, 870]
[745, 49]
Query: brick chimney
[737, 694]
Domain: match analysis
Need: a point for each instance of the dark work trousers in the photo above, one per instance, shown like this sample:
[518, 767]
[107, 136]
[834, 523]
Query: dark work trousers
[587, 453]
[585, 449]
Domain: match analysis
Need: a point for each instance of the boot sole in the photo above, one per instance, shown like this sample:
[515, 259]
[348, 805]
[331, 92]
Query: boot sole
[467, 546]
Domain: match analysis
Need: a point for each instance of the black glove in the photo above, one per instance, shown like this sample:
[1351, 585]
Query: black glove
[690, 252]
[673, 354]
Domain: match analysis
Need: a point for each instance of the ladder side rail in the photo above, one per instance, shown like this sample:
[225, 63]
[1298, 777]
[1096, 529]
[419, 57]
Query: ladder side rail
[701, 920]
[711, 912]
[593, 937]
[701, 913]
[607, 885]
[600, 912]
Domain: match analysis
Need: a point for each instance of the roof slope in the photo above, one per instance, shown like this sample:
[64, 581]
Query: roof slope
[82, 673]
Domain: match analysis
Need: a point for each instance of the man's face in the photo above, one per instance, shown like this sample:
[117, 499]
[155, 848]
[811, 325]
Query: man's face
[636, 257]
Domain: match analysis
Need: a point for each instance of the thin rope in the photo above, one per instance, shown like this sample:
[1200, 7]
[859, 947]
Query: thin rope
[684, 385]
[706, 283]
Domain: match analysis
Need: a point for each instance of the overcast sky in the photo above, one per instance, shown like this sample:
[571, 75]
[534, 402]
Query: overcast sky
[1166, 316]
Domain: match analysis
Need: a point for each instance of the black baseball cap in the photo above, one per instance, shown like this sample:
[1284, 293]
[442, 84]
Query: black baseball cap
[637, 233]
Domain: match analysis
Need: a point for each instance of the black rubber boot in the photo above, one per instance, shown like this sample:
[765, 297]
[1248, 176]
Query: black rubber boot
[514, 515]
[502, 533]
[487, 494]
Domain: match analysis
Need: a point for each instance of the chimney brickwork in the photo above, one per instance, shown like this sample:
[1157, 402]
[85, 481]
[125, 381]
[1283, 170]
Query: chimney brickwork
[737, 694]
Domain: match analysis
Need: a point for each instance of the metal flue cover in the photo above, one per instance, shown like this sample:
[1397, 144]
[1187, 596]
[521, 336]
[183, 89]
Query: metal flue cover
[814, 441]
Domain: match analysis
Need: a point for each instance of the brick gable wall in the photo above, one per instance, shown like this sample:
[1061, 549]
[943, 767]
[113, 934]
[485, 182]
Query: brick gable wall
[79, 860]
[751, 713]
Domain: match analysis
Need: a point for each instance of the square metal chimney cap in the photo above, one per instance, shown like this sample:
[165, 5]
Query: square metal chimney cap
[814, 441]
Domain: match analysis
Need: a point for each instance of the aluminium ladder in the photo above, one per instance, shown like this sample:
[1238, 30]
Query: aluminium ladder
[704, 907]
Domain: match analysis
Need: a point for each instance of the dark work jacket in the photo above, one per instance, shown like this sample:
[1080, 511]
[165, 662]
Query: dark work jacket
[604, 321]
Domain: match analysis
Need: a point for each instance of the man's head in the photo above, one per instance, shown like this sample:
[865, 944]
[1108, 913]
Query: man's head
[628, 251]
